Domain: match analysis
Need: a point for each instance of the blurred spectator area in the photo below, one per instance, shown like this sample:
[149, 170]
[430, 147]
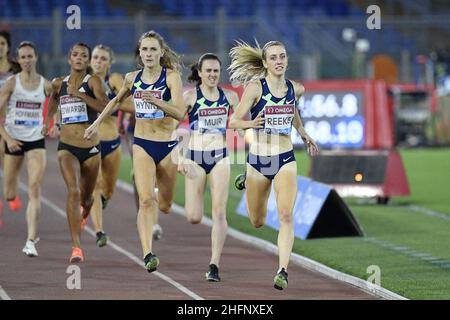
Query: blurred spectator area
[311, 29]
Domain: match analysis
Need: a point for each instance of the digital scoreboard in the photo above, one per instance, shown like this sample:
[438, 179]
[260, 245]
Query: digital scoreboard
[334, 119]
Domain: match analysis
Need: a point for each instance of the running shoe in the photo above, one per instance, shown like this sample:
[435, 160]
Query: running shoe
[101, 239]
[104, 202]
[151, 262]
[239, 182]
[157, 232]
[15, 204]
[280, 281]
[77, 255]
[30, 248]
[213, 273]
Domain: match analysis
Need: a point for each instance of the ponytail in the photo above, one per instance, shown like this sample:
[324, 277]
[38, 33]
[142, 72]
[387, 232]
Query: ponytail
[247, 61]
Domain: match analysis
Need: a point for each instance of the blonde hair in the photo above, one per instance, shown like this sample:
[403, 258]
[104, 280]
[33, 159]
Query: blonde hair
[170, 58]
[112, 59]
[247, 61]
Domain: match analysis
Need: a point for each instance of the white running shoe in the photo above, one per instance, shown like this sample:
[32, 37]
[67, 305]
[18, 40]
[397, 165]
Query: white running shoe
[30, 249]
[157, 232]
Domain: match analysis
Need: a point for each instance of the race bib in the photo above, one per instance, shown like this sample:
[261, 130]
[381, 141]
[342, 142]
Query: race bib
[278, 119]
[212, 119]
[146, 110]
[73, 110]
[28, 114]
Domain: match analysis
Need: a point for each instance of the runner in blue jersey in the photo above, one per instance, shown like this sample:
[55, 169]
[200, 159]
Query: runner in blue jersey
[158, 101]
[271, 100]
[208, 107]
[111, 153]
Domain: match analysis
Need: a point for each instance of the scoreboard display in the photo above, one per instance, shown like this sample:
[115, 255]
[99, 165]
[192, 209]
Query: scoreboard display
[334, 119]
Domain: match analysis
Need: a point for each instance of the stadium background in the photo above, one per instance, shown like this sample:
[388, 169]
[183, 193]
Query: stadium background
[325, 40]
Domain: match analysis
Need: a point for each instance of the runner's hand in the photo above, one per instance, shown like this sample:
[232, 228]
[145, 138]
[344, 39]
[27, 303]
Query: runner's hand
[182, 169]
[311, 146]
[72, 90]
[90, 131]
[14, 145]
[45, 130]
[54, 131]
[258, 122]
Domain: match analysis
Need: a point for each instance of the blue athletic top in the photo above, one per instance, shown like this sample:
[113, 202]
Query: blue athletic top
[110, 93]
[269, 100]
[159, 89]
[213, 114]
[74, 110]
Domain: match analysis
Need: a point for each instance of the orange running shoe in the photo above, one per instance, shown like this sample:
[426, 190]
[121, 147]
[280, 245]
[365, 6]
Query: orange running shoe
[77, 255]
[15, 204]
[84, 222]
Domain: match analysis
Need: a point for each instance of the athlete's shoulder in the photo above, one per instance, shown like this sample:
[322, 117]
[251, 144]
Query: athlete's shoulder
[298, 87]
[115, 76]
[56, 82]
[47, 86]
[94, 79]
[254, 87]
[172, 74]
[231, 95]
[130, 76]
[190, 95]
[9, 84]
[190, 92]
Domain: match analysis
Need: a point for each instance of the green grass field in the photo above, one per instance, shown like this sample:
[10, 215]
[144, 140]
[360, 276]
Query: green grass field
[411, 248]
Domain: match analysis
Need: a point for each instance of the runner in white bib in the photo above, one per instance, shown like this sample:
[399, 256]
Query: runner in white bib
[80, 96]
[279, 118]
[154, 136]
[25, 94]
[270, 98]
[208, 107]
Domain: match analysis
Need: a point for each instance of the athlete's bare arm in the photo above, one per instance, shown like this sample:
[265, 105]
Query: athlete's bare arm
[52, 104]
[175, 109]
[250, 96]
[99, 102]
[5, 95]
[311, 146]
[112, 106]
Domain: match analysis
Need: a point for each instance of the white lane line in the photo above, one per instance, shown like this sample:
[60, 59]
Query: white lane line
[429, 212]
[295, 258]
[4, 295]
[119, 249]
[423, 256]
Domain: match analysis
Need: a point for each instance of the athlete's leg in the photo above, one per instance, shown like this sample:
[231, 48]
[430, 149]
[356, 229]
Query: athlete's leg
[219, 179]
[11, 171]
[88, 178]
[110, 172]
[35, 160]
[70, 169]
[195, 183]
[148, 206]
[129, 143]
[97, 209]
[257, 193]
[285, 185]
[166, 177]
[106, 182]
[2, 148]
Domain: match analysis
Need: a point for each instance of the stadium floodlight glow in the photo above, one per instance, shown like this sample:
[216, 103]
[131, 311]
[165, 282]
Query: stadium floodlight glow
[348, 34]
[362, 45]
